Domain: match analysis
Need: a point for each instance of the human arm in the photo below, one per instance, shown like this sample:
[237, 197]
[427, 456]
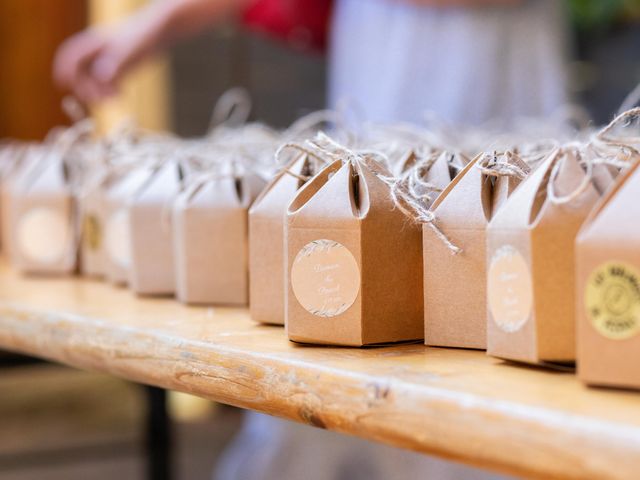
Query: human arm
[92, 62]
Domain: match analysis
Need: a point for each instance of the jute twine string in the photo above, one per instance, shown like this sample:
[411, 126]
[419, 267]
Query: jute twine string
[604, 140]
[327, 149]
[232, 109]
[601, 149]
[319, 158]
[558, 155]
[489, 164]
[312, 121]
[414, 177]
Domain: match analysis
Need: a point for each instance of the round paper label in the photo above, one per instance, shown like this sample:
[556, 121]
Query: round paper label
[92, 232]
[43, 235]
[325, 278]
[509, 289]
[612, 300]
[117, 238]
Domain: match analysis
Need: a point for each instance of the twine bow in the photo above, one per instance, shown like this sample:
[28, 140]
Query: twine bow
[328, 150]
[490, 165]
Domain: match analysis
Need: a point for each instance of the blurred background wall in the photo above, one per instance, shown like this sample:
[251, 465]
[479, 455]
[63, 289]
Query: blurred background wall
[178, 91]
[30, 31]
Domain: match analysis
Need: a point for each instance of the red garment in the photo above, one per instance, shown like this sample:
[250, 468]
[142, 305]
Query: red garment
[303, 24]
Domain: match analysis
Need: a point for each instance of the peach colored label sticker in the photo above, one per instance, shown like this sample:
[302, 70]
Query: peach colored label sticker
[612, 300]
[510, 293]
[44, 235]
[325, 278]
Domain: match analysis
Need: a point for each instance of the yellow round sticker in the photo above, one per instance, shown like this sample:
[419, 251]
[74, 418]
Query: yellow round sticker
[92, 233]
[612, 300]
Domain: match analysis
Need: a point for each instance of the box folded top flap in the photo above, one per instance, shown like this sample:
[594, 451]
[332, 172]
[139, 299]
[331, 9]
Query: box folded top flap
[569, 189]
[442, 172]
[124, 186]
[218, 193]
[330, 194]
[251, 185]
[505, 185]
[603, 177]
[616, 212]
[277, 194]
[164, 183]
[12, 159]
[466, 201]
[530, 201]
[49, 176]
[426, 175]
[17, 180]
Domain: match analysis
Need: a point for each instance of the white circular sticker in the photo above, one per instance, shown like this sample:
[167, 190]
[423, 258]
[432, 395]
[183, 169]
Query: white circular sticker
[509, 289]
[117, 238]
[43, 235]
[325, 278]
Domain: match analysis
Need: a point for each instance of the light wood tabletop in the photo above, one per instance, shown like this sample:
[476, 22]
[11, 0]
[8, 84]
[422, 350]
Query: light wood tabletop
[457, 404]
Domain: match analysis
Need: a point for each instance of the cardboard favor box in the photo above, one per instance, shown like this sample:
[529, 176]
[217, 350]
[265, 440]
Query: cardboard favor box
[530, 256]
[266, 242]
[354, 261]
[120, 190]
[608, 288]
[16, 160]
[454, 285]
[91, 207]
[43, 233]
[211, 240]
[152, 262]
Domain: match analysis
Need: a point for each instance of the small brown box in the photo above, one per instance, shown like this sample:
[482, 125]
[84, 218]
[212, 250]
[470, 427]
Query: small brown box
[266, 243]
[608, 288]
[454, 285]
[43, 230]
[530, 262]
[152, 263]
[354, 261]
[119, 192]
[211, 240]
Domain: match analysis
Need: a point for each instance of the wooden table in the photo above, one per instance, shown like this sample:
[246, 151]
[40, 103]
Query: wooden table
[457, 404]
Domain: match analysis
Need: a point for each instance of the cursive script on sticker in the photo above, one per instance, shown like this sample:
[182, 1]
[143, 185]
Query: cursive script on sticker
[325, 278]
[509, 289]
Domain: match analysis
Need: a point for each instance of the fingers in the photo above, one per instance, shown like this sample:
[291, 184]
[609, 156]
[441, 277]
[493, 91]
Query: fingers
[77, 66]
[74, 55]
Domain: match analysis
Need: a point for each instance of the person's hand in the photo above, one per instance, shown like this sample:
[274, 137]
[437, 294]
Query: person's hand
[92, 62]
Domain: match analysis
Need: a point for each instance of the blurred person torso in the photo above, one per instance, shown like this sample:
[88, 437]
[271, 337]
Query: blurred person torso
[396, 61]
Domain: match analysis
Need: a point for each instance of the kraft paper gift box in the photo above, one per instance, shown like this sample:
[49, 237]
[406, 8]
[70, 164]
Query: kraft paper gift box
[43, 222]
[210, 222]
[12, 181]
[152, 263]
[91, 206]
[454, 284]
[12, 161]
[531, 269]
[608, 288]
[92, 213]
[354, 261]
[266, 242]
[119, 191]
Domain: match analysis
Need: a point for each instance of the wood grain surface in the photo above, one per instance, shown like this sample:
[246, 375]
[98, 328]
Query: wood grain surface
[453, 403]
